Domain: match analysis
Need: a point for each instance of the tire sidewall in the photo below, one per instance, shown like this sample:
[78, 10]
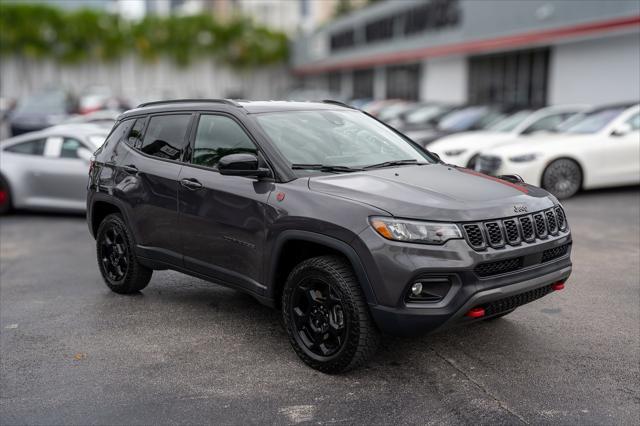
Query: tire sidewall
[115, 220]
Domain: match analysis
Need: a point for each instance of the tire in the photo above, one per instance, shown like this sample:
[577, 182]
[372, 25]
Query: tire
[471, 164]
[562, 178]
[5, 197]
[326, 316]
[117, 261]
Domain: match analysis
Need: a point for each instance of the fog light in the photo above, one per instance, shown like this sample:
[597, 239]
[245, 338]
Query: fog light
[416, 289]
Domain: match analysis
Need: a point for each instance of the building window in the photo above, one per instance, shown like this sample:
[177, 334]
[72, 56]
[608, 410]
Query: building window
[379, 30]
[433, 15]
[363, 84]
[334, 83]
[342, 40]
[403, 82]
[512, 79]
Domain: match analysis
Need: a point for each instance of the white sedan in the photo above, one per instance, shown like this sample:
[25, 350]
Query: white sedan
[600, 150]
[462, 149]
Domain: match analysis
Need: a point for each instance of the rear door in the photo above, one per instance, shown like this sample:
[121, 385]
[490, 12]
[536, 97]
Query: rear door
[151, 191]
[222, 218]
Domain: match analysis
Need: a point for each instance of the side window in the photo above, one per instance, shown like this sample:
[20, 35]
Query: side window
[166, 136]
[545, 123]
[634, 122]
[33, 147]
[118, 133]
[218, 136]
[134, 139]
[70, 148]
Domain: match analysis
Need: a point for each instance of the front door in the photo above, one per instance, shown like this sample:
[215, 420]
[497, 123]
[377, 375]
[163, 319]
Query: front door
[222, 218]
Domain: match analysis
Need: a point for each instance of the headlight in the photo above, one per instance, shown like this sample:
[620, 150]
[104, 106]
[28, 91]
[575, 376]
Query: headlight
[523, 158]
[413, 231]
[455, 152]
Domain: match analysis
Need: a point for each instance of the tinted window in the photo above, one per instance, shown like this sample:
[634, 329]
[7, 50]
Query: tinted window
[70, 148]
[634, 122]
[119, 132]
[596, 120]
[35, 147]
[218, 136]
[166, 136]
[549, 122]
[134, 138]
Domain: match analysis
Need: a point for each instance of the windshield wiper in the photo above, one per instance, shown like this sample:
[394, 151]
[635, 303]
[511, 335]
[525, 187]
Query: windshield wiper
[324, 168]
[392, 163]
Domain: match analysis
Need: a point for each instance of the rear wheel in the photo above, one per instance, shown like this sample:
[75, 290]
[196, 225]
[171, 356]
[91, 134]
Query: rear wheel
[5, 196]
[117, 261]
[562, 178]
[326, 316]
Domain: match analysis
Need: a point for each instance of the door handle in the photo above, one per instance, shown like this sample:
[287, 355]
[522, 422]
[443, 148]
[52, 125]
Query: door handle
[130, 169]
[191, 183]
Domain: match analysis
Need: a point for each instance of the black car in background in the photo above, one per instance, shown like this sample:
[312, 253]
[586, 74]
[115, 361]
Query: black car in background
[42, 110]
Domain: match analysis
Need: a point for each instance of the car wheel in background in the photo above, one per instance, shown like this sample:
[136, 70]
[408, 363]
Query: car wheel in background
[562, 178]
[326, 316]
[5, 196]
[471, 164]
[116, 257]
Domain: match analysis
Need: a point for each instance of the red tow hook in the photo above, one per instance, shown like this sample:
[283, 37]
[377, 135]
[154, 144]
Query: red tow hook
[557, 286]
[476, 313]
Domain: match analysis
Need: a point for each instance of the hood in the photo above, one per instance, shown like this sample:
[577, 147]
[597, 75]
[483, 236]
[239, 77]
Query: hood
[532, 144]
[470, 140]
[433, 192]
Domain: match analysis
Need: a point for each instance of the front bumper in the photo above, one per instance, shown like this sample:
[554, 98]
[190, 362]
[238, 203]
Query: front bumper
[396, 266]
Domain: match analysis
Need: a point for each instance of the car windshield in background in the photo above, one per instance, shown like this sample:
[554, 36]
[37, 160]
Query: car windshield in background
[311, 139]
[595, 121]
[424, 114]
[509, 123]
[477, 117]
[48, 103]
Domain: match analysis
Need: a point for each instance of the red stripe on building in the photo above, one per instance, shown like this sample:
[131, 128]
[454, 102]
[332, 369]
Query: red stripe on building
[476, 46]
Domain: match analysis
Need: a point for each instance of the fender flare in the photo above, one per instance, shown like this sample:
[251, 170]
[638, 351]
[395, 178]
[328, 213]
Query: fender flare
[331, 242]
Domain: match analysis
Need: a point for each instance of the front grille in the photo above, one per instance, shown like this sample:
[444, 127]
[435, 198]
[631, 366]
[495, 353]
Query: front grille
[474, 235]
[494, 234]
[499, 267]
[488, 164]
[515, 230]
[554, 253]
[509, 303]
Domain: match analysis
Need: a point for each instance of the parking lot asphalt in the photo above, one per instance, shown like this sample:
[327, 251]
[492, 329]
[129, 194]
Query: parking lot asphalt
[190, 352]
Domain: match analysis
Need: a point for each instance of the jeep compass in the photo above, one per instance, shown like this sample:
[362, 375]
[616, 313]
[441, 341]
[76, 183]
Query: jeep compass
[346, 226]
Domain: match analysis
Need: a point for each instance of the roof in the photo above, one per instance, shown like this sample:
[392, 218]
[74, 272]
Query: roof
[79, 130]
[250, 107]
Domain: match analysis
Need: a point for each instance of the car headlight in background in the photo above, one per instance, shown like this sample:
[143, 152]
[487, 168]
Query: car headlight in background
[455, 152]
[523, 158]
[414, 231]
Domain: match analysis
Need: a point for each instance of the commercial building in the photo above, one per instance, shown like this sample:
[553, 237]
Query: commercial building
[533, 52]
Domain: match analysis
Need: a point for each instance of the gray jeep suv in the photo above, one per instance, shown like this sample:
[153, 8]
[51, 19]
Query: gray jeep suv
[319, 210]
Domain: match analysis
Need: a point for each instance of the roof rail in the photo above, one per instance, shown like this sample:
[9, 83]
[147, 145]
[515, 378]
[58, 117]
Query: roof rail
[331, 101]
[175, 101]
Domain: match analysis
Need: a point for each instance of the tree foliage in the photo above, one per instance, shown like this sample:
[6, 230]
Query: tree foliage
[43, 32]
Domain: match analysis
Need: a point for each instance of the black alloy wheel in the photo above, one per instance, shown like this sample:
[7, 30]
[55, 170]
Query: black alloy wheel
[113, 253]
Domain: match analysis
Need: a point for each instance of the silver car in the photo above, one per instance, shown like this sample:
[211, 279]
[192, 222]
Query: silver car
[48, 169]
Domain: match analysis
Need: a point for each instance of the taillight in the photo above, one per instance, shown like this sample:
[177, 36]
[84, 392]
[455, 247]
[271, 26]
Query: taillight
[92, 162]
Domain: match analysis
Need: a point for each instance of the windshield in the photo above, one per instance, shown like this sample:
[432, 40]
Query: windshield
[424, 114]
[509, 123]
[336, 138]
[469, 118]
[47, 103]
[595, 121]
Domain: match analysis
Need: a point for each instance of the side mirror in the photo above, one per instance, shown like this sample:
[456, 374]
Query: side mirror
[242, 165]
[433, 154]
[84, 154]
[622, 130]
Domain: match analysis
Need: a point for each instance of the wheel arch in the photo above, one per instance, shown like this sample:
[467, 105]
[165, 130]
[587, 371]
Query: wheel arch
[101, 209]
[293, 246]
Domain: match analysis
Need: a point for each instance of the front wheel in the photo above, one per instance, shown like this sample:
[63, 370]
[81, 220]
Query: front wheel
[117, 260]
[562, 178]
[326, 316]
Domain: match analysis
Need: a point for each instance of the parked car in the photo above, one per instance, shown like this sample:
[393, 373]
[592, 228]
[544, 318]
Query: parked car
[323, 212]
[41, 110]
[463, 149]
[104, 118]
[392, 112]
[421, 116]
[48, 169]
[459, 120]
[602, 149]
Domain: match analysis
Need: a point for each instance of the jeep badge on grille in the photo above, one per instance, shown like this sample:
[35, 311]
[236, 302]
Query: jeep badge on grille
[520, 208]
